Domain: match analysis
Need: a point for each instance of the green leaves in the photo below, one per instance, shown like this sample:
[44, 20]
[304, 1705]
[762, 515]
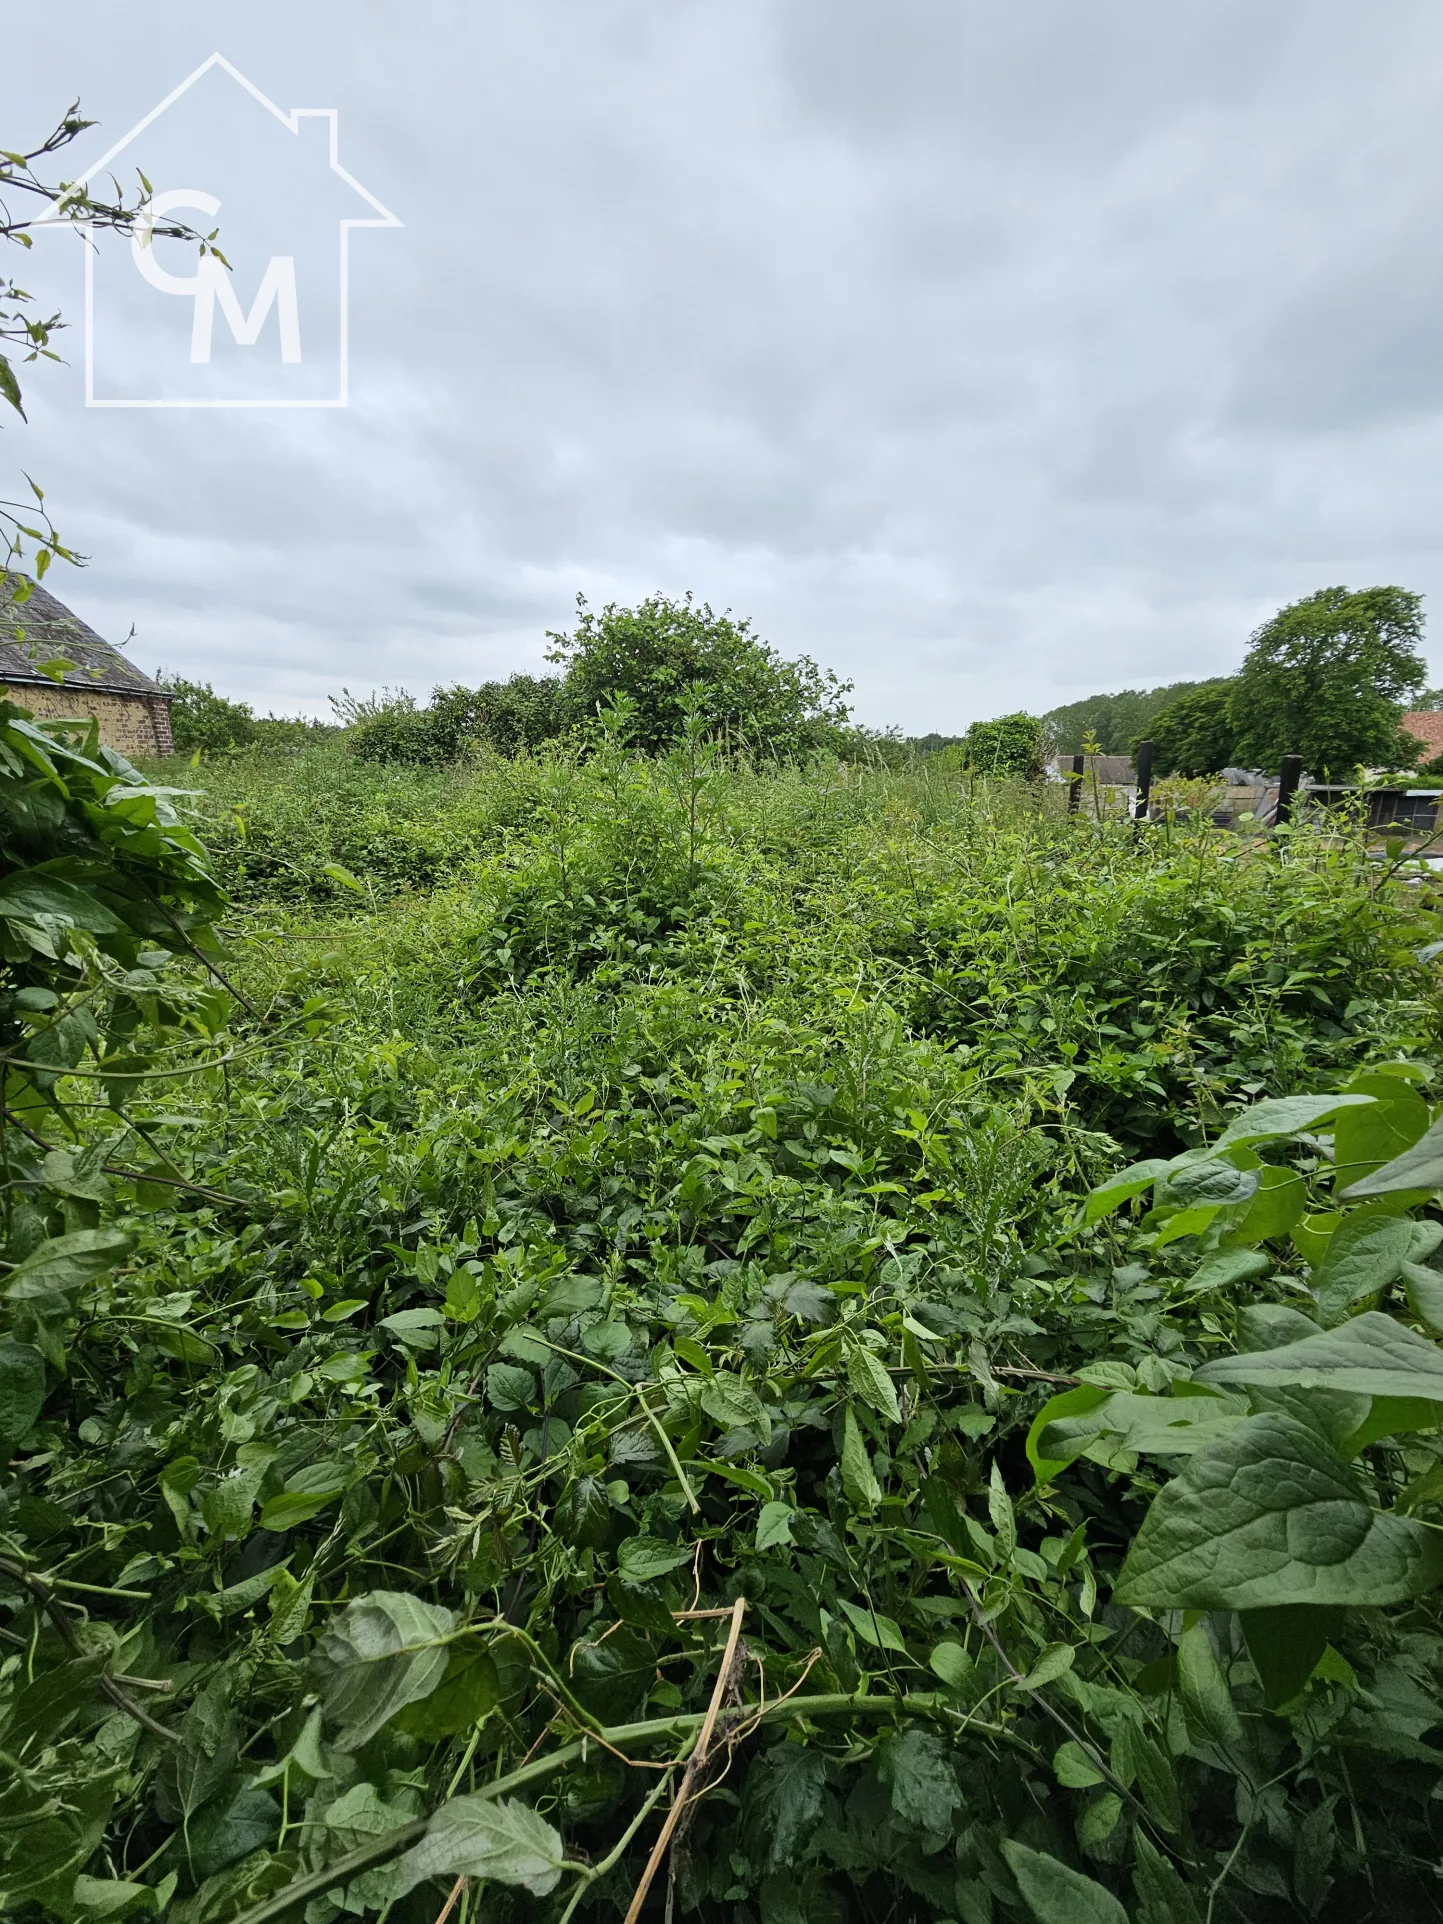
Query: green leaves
[64, 1264]
[916, 1768]
[1285, 1644]
[1283, 1116]
[1420, 1167]
[22, 1391]
[1212, 1717]
[786, 1794]
[859, 1479]
[868, 1378]
[1103, 1425]
[1121, 1188]
[384, 1651]
[1056, 1894]
[1370, 1355]
[735, 1405]
[496, 1838]
[643, 1559]
[30, 895]
[774, 1525]
[1364, 1255]
[1274, 1515]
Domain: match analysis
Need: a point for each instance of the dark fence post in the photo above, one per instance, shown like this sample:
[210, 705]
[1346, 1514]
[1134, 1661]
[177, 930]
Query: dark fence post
[1074, 786]
[1289, 776]
[1144, 780]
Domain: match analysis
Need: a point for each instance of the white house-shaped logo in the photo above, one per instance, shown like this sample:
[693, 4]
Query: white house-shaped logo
[165, 328]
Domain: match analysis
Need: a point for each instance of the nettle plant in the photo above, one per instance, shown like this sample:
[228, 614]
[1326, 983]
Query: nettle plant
[1275, 1512]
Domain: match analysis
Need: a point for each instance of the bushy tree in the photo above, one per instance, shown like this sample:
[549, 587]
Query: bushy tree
[657, 652]
[1009, 745]
[202, 719]
[1195, 734]
[1326, 678]
[509, 716]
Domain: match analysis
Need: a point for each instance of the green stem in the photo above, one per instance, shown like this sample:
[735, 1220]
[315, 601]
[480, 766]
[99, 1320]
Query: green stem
[381, 1849]
[638, 1390]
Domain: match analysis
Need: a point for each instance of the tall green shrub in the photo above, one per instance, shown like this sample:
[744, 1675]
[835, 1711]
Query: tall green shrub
[658, 652]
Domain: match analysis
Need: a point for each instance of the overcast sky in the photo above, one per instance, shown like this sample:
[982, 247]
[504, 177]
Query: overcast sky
[991, 354]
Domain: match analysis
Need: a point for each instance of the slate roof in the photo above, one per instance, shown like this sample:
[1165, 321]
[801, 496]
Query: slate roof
[1112, 771]
[51, 631]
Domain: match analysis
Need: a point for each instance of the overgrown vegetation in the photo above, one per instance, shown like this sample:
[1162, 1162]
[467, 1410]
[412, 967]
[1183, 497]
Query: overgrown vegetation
[607, 1189]
[658, 665]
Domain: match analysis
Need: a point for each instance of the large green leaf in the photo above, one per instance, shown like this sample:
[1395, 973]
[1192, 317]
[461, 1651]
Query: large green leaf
[859, 1479]
[1370, 1355]
[1122, 1187]
[1420, 1167]
[1103, 1426]
[1281, 1198]
[734, 1404]
[1213, 1183]
[787, 1792]
[867, 1376]
[29, 896]
[65, 1263]
[1364, 1255]
[1057, 1894]
[1067, 1415]
[385, 1651]
[498, 1838]
[1425, 1294]
[1274, 1514]
[1365, 1139]
[1283, 1116]
[916, 1768]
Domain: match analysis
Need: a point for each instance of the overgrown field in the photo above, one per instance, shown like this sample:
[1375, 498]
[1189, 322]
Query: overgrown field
[600, 1253]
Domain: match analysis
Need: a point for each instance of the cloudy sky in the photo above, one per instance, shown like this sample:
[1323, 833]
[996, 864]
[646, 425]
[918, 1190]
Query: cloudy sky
[991, 354]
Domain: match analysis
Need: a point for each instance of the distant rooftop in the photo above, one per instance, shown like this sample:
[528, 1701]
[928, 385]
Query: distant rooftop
[1426, 725]
[49, 631]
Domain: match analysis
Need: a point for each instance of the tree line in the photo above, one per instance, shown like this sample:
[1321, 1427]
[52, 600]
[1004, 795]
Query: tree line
[1327, 678]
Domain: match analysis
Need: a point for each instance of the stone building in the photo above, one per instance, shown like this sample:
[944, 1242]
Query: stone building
[133, 711]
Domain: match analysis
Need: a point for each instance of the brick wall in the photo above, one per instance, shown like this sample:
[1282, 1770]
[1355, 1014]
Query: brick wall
[132, 724]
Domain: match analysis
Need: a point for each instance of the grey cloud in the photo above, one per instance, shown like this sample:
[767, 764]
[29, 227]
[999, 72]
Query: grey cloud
[987, 354]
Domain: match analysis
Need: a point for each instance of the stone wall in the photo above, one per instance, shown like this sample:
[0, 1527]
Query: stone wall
[131, 724]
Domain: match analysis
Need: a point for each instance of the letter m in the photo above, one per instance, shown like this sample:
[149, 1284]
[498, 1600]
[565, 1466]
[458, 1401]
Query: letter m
[277, 289]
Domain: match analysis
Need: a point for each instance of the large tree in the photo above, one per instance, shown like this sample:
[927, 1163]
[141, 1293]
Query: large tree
[1326, 679]
[664, 653]
[1195, 735]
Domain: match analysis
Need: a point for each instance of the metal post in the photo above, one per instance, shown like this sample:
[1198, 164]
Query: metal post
[1144, 780]
[1289, 775]
[1074, 787]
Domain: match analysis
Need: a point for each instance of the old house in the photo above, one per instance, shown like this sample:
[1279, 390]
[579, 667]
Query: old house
[133, 711]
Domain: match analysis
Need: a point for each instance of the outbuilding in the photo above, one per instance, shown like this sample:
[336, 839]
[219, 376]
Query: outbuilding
[133, 710]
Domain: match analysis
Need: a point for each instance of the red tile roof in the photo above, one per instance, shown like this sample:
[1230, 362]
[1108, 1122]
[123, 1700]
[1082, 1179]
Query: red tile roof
[1427, 725]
